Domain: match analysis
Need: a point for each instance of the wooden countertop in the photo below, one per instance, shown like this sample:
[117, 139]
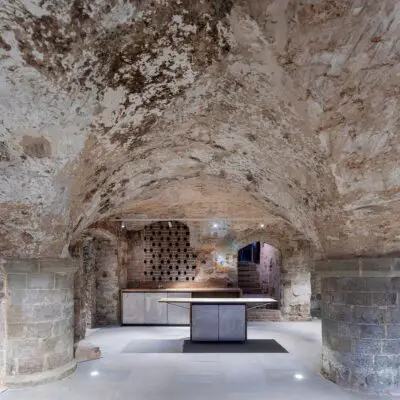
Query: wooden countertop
[204, 290]
[223, 300]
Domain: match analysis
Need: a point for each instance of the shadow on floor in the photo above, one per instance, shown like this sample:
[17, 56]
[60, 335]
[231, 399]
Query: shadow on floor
[186, 346]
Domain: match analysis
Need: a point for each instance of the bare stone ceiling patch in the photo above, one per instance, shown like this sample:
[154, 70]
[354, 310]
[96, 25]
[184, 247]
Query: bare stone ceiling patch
[287, 110]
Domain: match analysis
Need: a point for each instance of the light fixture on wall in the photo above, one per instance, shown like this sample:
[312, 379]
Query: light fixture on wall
[169, 224]
[262, 225]
[122, 225]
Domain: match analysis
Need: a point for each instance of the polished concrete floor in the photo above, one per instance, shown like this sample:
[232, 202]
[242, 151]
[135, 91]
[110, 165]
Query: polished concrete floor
[118, 375]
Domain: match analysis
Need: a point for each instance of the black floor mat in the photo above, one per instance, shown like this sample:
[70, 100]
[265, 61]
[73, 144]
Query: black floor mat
[186, 346]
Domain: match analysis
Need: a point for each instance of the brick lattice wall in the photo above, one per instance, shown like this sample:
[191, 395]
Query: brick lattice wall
[161, 254]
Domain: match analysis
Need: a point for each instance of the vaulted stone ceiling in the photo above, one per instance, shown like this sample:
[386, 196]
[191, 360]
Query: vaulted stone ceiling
[283, 110]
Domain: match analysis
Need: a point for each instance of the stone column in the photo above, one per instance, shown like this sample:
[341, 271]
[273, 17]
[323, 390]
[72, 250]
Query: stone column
[3, 335]
[361, 323]
[39, 320]
[296, 288]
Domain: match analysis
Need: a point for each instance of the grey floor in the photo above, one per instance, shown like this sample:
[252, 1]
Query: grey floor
[118, 375]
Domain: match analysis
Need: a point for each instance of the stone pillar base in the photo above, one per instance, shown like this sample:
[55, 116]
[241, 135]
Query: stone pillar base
[39, 321]
[360, 313]
[40, 377]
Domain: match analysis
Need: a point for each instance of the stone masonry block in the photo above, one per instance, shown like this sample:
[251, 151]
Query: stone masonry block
[338, 298]
[22, 265]
[395, 283]
[380, 380]
[55, 360]
[340, 344]
[58, 265]
[393, 315]
[41, 281]
[16, 331]
[377, 264]
[57, 344]
[329, 284]
[378, 284]
[393, 332]
[372, 331]
[45, 312]
[391, 346]
[387, 361]
[369, 315]
[39, 330]
[348, 330]
[43, 296]
[61, 326]
[358, 299]
[23, 348]
[367, 346]
[64, 281]
[362, 361]
[16, 281]
[352, 284]
[342, 313]
[30, 365]
[384, 299]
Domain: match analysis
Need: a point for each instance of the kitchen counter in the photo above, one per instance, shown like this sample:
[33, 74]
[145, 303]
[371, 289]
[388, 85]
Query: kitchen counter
[174, 290]
[141, 306]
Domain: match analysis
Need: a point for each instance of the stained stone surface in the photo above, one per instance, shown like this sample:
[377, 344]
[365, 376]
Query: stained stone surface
[39, 319]
[360, 332]
[181, 108]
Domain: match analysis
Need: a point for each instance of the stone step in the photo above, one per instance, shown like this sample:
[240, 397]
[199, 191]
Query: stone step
[262, 314]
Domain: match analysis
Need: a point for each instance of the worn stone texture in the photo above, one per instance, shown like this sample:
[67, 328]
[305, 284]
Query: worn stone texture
[296, 287]
[37, 321]
[360, 336]
[170, 108]
[107, 284]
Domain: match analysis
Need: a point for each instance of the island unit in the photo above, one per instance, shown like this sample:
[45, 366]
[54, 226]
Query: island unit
[218, 319]
[143, 306]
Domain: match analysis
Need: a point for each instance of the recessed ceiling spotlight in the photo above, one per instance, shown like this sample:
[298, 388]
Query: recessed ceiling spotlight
[262, 225]
[94, 373]
[299, 377]
[215, 225]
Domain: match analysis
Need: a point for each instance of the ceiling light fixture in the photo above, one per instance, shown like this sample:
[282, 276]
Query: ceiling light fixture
[299, 377]
[215, 225]
[94, 373]
[123, 225]
[262, 225]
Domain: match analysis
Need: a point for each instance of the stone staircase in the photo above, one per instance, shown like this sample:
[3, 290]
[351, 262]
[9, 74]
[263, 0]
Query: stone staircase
[249, 278]
[249, 282]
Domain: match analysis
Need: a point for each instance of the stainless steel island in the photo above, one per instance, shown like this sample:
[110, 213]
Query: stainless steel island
[218, 319]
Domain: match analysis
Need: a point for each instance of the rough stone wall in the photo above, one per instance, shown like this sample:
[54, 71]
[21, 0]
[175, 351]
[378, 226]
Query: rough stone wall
[316, 291]
[296, 287]
[270, 271]
[107, 283]
[89, 263]
[40, 316]
[3, 333]
[361, 332]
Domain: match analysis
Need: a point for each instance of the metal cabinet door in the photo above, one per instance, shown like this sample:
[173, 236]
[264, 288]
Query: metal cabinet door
[132, 308]
[204, 325]
[232, 322]
[178, 314]
[155, 312]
